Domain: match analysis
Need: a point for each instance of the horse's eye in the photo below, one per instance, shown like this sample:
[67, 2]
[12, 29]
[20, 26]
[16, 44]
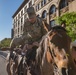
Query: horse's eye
[64, 57]
[50, 34]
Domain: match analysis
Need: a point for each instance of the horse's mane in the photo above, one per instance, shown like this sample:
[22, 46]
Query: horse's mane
[58, 28]
[55, 49]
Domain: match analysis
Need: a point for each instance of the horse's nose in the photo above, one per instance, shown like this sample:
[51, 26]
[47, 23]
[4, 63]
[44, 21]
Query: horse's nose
[64, 71]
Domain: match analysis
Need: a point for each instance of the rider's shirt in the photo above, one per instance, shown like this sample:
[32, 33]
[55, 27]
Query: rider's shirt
[33, 32]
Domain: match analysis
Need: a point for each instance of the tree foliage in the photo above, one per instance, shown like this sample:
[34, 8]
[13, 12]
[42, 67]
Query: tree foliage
[5, 42]
[70, 20]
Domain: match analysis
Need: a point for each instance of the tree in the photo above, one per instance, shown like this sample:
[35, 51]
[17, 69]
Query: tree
[70, 20]
[5, 42]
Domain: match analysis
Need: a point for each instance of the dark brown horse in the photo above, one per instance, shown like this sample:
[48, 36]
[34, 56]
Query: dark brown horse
[53, 55]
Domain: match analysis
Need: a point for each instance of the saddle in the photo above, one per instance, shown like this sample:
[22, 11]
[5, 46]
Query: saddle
[31, 54]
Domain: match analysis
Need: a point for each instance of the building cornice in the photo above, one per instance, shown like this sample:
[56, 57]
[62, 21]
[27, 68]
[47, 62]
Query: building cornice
[20, 7]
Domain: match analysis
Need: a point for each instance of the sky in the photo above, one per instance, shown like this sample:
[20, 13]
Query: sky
[7, 9]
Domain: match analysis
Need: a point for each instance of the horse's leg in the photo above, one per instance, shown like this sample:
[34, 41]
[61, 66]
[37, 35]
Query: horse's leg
[11, 68]
[8, 68]
[24, 69]
[15, 67]
[20, 69]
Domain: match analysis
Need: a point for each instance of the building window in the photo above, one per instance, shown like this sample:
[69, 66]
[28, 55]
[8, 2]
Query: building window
[22, 20]
[14, 20]
[52, 23]
[30, 3]
[14, 25]
[18, 16]
[42, 3]
[15, 31]
[18, 30]
[52, 9]
[25, 16]
[21, 12]
[21, 29]
[44, 14]
[36, 8]
[18, 23]
[25, 9]
[63, 4]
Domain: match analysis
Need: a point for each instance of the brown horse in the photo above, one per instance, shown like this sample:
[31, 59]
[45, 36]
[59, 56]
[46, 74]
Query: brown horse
[53, 55]
[12, 64]
[16, 64]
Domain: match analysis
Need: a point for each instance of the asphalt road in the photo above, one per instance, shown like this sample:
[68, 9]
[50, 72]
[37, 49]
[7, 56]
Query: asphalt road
[2, 66]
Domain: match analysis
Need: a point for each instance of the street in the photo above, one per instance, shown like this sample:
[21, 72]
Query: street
[2, 66]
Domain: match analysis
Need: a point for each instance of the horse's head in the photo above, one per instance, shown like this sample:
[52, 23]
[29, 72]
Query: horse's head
[58, 49]
[54, 49]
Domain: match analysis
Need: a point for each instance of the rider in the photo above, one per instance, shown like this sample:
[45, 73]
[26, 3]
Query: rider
[63, 24]
[34, 29]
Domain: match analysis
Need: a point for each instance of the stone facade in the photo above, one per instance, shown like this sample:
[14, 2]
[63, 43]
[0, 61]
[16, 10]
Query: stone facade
[47, 9]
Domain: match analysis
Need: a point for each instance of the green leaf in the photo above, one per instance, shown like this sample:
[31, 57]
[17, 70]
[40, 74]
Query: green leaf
[70, 19]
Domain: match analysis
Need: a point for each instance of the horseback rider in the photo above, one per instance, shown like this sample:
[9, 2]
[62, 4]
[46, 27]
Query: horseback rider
[34, 29]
